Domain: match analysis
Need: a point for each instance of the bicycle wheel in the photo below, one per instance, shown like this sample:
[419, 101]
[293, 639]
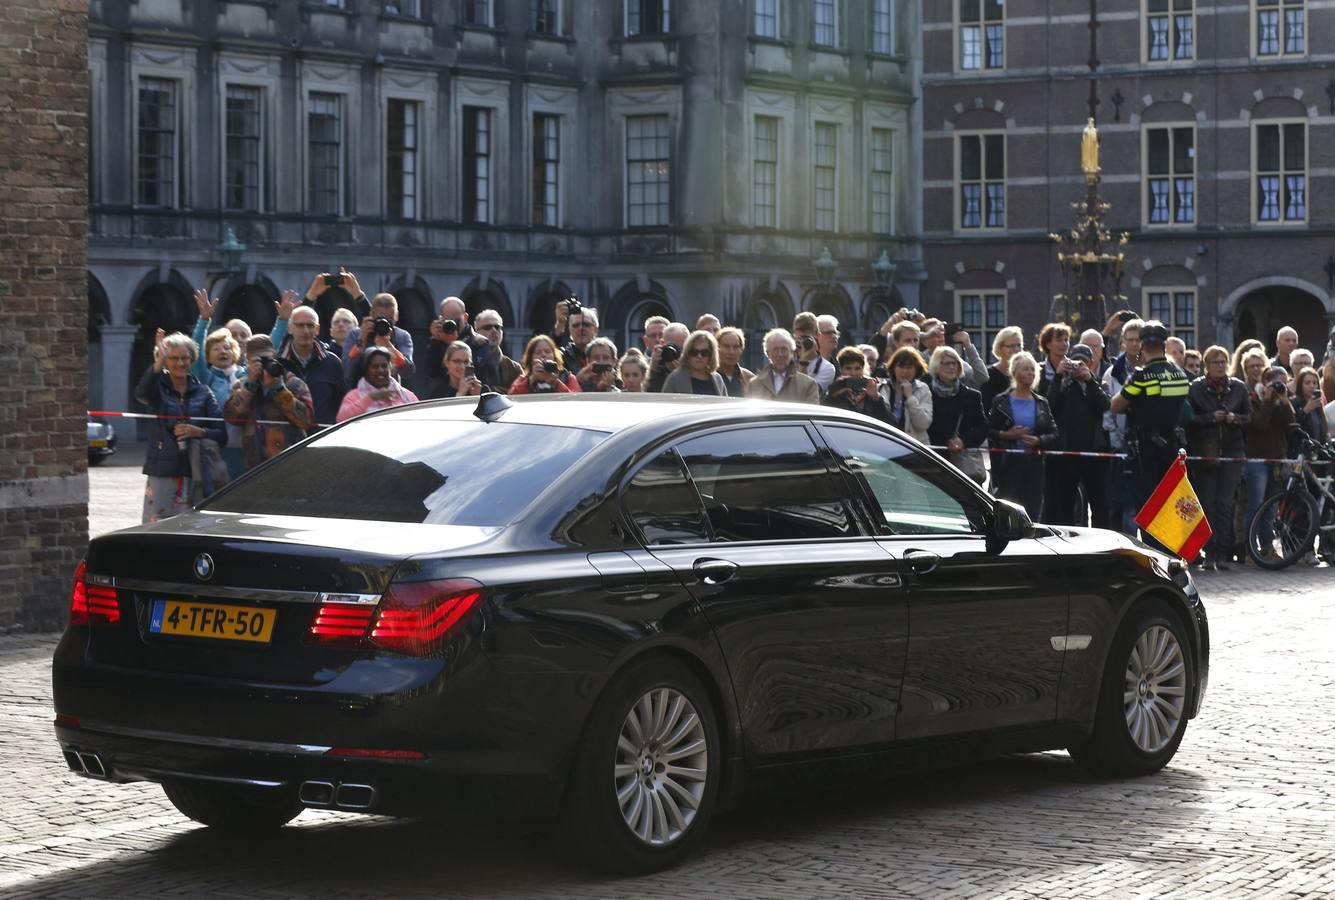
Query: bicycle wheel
[1282, 529]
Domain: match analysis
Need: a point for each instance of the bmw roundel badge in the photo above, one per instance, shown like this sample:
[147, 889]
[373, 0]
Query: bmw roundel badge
[203, 567]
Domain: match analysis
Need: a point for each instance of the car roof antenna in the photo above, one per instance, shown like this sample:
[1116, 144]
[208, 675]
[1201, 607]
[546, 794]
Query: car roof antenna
[491, 406]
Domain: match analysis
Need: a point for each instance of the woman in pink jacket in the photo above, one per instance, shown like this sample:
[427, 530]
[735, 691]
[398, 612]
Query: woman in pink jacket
[376, 389]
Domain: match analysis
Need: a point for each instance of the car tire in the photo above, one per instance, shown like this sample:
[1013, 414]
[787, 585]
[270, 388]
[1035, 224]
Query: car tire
[627, 805]
[1143, 695]
[236, 808]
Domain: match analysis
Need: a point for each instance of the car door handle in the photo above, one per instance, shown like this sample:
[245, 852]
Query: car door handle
[714, 571]
[922, 562]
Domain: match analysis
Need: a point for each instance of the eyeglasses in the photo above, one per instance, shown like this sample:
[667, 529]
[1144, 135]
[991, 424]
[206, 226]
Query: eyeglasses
[491, 326]
[176, 357]
[700, 351]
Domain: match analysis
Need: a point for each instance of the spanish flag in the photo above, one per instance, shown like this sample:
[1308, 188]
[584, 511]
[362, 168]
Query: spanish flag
[1173, 514]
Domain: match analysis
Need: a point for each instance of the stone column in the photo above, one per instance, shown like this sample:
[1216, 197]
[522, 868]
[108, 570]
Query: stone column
[117, 346]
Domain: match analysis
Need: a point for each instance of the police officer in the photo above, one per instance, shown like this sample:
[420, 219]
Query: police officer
[1152, 399]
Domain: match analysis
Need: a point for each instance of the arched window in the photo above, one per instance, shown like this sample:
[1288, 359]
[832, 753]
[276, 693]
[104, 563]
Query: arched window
[633, 327]
[252, 304]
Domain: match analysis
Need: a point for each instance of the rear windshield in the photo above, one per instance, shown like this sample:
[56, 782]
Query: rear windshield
[413, 470]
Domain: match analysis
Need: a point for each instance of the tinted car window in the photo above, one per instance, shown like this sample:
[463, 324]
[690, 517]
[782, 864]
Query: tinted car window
[437, 472]
[766, 484]
[662, 503]
[915, 494]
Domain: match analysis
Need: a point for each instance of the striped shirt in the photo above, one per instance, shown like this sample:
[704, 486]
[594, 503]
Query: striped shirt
[1156, 393]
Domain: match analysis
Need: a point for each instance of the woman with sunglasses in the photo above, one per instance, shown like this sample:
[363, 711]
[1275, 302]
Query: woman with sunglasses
[698, 373]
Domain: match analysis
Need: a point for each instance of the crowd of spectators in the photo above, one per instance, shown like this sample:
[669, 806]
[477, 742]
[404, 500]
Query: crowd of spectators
[1075, 393]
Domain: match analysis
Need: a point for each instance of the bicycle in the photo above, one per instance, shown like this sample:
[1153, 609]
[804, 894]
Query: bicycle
[1288, 521]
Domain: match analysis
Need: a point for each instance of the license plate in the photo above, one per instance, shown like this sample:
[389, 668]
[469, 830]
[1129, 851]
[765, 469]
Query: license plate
[212, 620]
[97, 442]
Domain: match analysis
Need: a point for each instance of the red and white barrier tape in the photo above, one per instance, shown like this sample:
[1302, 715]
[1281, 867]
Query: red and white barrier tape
[100, 413]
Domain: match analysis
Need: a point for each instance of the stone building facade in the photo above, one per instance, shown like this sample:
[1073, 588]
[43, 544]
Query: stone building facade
[43, 266]
[648, 156]
[1216, 127]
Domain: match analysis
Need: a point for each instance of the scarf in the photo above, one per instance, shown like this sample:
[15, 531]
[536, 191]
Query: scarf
[941, 389]
[898, 406]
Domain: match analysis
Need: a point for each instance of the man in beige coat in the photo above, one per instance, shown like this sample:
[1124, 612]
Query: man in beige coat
[781, 380]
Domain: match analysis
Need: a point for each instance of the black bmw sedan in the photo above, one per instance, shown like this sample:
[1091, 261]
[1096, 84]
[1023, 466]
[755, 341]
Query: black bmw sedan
[619, 610]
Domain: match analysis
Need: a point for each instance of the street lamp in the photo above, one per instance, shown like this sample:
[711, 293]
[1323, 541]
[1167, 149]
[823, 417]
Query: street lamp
[824, 266]
[883, 271]
[228, 252]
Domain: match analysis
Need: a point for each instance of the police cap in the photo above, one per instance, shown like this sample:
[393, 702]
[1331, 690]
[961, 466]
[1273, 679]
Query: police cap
[1153, 332]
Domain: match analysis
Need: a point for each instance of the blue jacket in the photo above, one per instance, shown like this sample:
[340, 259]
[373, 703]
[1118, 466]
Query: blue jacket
[323, 374]
[155, 391]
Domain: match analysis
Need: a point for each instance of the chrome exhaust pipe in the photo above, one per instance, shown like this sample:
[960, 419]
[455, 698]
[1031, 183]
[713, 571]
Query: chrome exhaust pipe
[316, 793]
[354, 796]
[92, 765]
[72, 760]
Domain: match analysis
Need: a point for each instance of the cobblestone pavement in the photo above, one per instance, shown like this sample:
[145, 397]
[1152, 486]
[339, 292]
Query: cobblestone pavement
[1245, 809]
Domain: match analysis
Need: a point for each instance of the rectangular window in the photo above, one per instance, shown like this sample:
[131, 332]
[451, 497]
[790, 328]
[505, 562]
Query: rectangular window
[982, 34]
[983, 314]
[826, 23]
[1170, 175]
[765, 19]
[1176, 309]
[401, 159]
[411, 9]
[882, 181]
[648, 17]
[324, 154]
[1281, 171]
[1170, 30]
[243, 147]
[1280, 27]
[765, 168]
[883, 26]
[826, 175]
[546, 169]
[547, 16]
[477, 165]
[477, 12]
[159, 143]
[982, 181]
[648, 171]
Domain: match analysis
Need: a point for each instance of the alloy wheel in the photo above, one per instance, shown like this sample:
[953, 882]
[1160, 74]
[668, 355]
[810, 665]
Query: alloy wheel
[1154, 695]
[662, 766]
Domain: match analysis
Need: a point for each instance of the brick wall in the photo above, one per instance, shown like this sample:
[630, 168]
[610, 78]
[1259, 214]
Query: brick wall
[43, 306]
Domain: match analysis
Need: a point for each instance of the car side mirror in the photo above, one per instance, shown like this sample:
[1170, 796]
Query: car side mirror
[1010, 522]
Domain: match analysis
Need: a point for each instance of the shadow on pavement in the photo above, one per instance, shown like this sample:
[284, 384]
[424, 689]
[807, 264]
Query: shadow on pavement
[922, 822]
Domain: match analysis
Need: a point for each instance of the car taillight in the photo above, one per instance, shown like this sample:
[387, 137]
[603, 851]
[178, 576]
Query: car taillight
[341, 623]
[92, 604]
[416, 617]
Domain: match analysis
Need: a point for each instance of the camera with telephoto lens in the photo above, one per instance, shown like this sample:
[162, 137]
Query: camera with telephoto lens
[808, 342]
[550, 367]
[670, 353]
[1279, 387]
[271, 367]
[573, 306]
[382, 327]
[449, 326]
[856, 385]
[602, 368]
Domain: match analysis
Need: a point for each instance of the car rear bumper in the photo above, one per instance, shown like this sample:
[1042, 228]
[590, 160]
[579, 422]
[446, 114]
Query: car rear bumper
[438, 785]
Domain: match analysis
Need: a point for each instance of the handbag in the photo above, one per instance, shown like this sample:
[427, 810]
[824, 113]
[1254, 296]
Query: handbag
[968, 461]
[208, 471]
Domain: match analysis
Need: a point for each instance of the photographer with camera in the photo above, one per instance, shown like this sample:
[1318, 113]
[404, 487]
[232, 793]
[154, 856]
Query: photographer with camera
[544, 370]
[806, 327]
[379, 329]
[892, 336]
[311, 361]
[451, 326]
[268, 393]
[653, 333]
[377, 388]
[781, 379]
[324, 303]
[601, 377]
[1054, 340]
[583, 325]
[853, 390]
[667, 356]
[1078, 403]
[175, 396]
[461, 376]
